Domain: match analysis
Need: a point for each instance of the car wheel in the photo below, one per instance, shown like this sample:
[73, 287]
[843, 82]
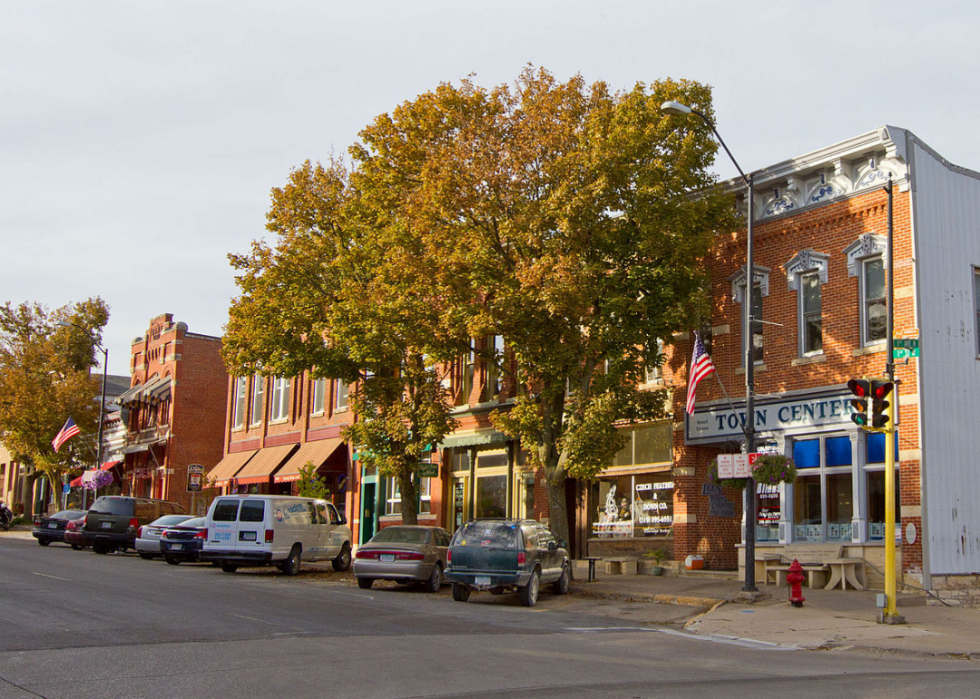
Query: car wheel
[461, 593]
[342, 561]
[100, 548]
[173, 560]
[435, 580]
[529, 593]
[146, 556]
[77, 547]
[44, 542]
[216, 564]
[291, 565]
[228, 567]
[563, 585]
[365, 583]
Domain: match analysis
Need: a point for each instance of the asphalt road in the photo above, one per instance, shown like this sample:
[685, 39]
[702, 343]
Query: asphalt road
[75, 624]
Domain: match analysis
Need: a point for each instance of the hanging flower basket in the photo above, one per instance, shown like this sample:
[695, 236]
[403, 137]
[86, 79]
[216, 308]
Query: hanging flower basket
[93, 480]
[774, 469]
[771, 469]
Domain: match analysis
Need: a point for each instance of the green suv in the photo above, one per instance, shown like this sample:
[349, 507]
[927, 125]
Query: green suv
[113, 521]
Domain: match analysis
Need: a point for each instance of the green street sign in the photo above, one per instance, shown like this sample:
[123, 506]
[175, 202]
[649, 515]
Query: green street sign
[429, 470]
[905, 348]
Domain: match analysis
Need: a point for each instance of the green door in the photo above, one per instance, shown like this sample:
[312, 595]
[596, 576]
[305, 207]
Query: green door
[369, 511]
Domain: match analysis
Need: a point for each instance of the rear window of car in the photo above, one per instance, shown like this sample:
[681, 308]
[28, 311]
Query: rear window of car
[489, 534]
[401, 535]
[169, 520]
[67, 514]
[225, 511]
[252, 511]
[195, 523]
[113, 506]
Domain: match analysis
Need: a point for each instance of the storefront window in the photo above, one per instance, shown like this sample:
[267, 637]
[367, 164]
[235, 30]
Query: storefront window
[491, 496]
[769, 512]
[875, 473]
[646, 444]
[635, 506]
[823, 499]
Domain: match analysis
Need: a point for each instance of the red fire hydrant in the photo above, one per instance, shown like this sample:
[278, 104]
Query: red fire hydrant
[794, 578]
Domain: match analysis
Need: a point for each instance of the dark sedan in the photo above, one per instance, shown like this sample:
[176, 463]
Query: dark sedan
[183, 542]
[52, 528]
[405, 554]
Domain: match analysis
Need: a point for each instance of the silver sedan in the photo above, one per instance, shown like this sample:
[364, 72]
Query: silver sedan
[148, 538]
[403, 553]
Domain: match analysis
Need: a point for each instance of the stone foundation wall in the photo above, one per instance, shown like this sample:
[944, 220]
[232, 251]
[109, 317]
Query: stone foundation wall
[956, 590]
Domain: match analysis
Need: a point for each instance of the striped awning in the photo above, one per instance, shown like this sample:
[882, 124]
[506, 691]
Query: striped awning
[226, 469]
[259, 469]
[130, 395]
[315, 453]
[158, 392]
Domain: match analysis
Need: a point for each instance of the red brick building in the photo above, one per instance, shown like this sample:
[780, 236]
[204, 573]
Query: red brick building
[174, 412]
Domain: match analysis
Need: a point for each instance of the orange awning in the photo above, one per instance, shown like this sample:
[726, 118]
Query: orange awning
[310, 452]
[260, 468]
[229, 466]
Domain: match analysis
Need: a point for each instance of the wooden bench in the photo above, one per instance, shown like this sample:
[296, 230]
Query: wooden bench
[815, 560]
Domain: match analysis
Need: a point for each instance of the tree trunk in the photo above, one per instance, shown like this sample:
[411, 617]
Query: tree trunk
[554, 467]
[410, 497]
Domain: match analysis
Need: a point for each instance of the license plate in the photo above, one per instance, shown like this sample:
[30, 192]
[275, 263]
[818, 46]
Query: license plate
[482, 581]
[248, 536]
[107, 525]
[52, 525]
[387, 558]
[176, 547]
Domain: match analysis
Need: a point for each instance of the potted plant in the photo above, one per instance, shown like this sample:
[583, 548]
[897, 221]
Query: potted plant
[658, 556]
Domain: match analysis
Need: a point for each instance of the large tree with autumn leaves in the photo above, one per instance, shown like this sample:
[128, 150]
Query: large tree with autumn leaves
[45, 377]
[555, 214]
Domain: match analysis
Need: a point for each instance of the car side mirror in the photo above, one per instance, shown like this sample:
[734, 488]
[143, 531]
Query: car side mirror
[552, 546]
[343, 519]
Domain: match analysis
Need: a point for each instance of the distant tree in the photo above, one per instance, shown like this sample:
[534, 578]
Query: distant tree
[45, 377]
[334, 295]
[310, 485]
[559, 216]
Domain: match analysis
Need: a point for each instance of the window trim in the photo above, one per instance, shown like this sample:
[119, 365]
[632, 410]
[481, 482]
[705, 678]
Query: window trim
[279, 399]
[803, 316]
[866, 341]
[258, 391]
[318, 393]
[240, 403]
[339, 395]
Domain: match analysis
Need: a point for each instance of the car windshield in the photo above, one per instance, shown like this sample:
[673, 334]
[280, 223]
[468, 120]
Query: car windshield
[401, 535]
[112, 506]
[495, 534]
[169, 520]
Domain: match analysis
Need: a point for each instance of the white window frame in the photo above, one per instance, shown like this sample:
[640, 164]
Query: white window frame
[318, 397]
[341, 395]
[803, 325]
[279, 401]
[494, 375]
[866, 341]
[393, 497]
[652, 374]
[866, 248]
[241, 400]
[806, 265]
[258, 388]
[760, 280]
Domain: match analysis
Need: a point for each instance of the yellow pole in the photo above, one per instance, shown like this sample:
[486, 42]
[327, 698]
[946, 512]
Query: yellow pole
[890, 611]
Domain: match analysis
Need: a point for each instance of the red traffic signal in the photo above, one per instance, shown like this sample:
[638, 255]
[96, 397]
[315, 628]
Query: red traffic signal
[880, 389]
[862, 389]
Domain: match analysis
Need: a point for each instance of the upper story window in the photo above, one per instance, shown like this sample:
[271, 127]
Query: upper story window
[279, 402]
[495, 380]
[393, 501]
[319, 398]
[341, 395]
[760, 289]
[466, 368]
[258, 387]
[241, 388]
[865, 260]
[806, 273]
[873, 303]
[655, 370]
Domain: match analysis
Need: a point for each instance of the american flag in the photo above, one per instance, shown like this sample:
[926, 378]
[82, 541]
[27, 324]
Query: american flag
[67, 432]
[701, 366]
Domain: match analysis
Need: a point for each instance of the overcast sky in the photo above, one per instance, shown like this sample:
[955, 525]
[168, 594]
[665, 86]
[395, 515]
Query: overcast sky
[140, 140]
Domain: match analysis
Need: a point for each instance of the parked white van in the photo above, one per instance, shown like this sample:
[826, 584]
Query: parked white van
[279, 530]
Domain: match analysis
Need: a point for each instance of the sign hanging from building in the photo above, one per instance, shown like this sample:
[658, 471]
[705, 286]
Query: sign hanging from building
[195, 478]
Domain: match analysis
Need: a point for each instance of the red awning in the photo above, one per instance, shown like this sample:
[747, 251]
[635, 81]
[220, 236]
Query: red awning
[109, 464]
[75, 482]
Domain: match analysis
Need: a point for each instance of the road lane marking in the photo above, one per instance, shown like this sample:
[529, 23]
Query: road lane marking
[252, 618]
[53, 577]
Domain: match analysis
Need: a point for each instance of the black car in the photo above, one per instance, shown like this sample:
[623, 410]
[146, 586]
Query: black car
[52, 527]
[113, 521]
[183, 542]
[507, 554]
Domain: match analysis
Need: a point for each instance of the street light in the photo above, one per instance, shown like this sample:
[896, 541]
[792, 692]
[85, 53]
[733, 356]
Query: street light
[678, 109]
[105, 371]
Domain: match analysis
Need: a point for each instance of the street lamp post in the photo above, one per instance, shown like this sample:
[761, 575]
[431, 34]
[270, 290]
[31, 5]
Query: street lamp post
[105, 372]
[678, 109]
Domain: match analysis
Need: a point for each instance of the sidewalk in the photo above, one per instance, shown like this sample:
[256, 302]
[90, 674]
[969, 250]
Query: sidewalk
[829, 619]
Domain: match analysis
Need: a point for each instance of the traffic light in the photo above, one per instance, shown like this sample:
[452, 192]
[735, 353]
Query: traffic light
[880, 388]
[862, 389]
